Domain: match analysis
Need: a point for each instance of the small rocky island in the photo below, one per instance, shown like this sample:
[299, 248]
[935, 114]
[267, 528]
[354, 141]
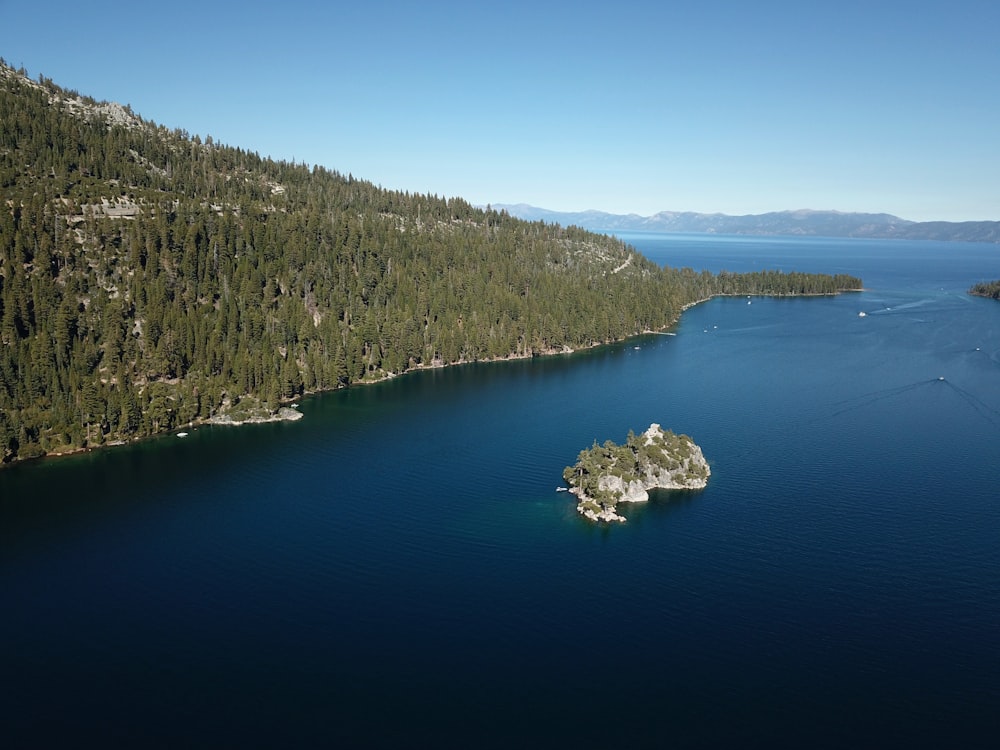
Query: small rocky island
[608, 474]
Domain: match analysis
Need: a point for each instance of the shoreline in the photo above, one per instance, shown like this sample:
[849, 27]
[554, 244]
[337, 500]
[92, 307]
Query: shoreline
[282, 414]
[227, 420]
[570, 350]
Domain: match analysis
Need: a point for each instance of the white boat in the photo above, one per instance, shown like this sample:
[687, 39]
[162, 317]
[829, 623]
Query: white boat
[862, 314]
[182, 434]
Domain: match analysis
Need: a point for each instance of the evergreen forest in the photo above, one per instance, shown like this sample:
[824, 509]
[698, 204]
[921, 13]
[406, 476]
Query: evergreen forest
[150, 279]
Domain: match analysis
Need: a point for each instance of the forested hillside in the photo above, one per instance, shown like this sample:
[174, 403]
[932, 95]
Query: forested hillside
[149, 279]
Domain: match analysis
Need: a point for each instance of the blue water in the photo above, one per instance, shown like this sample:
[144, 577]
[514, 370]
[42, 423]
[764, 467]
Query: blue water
[396, 569]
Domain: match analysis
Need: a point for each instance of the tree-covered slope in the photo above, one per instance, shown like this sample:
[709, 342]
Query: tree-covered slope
[149, 279]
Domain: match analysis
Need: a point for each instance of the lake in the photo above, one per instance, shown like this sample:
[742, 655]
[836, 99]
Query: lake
[397, 568]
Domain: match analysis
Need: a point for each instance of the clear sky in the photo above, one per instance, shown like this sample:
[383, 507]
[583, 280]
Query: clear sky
[629, 107]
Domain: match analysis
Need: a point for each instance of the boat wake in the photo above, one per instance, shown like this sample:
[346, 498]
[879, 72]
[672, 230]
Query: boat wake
[986, 411]
[867, 399]
[846, 406]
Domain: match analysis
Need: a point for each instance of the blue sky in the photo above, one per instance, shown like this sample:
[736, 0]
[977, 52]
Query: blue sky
[629, 107]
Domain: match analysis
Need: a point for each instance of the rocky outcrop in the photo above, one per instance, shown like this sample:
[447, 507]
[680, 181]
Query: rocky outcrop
[609, 474]
[284, 414]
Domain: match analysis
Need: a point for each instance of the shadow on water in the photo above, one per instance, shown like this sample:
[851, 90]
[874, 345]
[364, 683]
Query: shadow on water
[986, 411]
[661, 505]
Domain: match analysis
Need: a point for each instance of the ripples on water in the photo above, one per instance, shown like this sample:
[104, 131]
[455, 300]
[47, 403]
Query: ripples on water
[397, 567]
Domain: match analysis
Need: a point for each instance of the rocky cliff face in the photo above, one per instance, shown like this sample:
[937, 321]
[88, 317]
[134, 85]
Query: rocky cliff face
[610, 474]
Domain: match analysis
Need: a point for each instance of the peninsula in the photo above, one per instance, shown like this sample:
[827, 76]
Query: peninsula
[608, 474]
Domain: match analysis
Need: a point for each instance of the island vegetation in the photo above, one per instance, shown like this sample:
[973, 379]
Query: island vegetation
[606, 475]
[986, 289]
[152, 279]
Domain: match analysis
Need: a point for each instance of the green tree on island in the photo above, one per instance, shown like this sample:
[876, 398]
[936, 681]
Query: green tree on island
[986, 289]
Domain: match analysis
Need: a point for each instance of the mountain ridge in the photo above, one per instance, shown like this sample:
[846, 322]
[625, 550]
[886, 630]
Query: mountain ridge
[798, 222]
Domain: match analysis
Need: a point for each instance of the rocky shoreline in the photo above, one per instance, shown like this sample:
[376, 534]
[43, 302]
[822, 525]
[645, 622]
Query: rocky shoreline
[256, 415]
[284, 414]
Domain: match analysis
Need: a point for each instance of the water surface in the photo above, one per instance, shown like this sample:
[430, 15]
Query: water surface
[397, 568]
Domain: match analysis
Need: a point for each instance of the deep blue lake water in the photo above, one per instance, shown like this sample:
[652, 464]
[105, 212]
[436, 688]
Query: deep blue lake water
[397, 569]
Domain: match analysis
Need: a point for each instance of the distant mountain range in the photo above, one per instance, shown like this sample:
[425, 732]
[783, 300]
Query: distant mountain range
[805, 223]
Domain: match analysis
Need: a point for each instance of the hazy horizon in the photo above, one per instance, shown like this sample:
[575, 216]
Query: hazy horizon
[799, 210]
